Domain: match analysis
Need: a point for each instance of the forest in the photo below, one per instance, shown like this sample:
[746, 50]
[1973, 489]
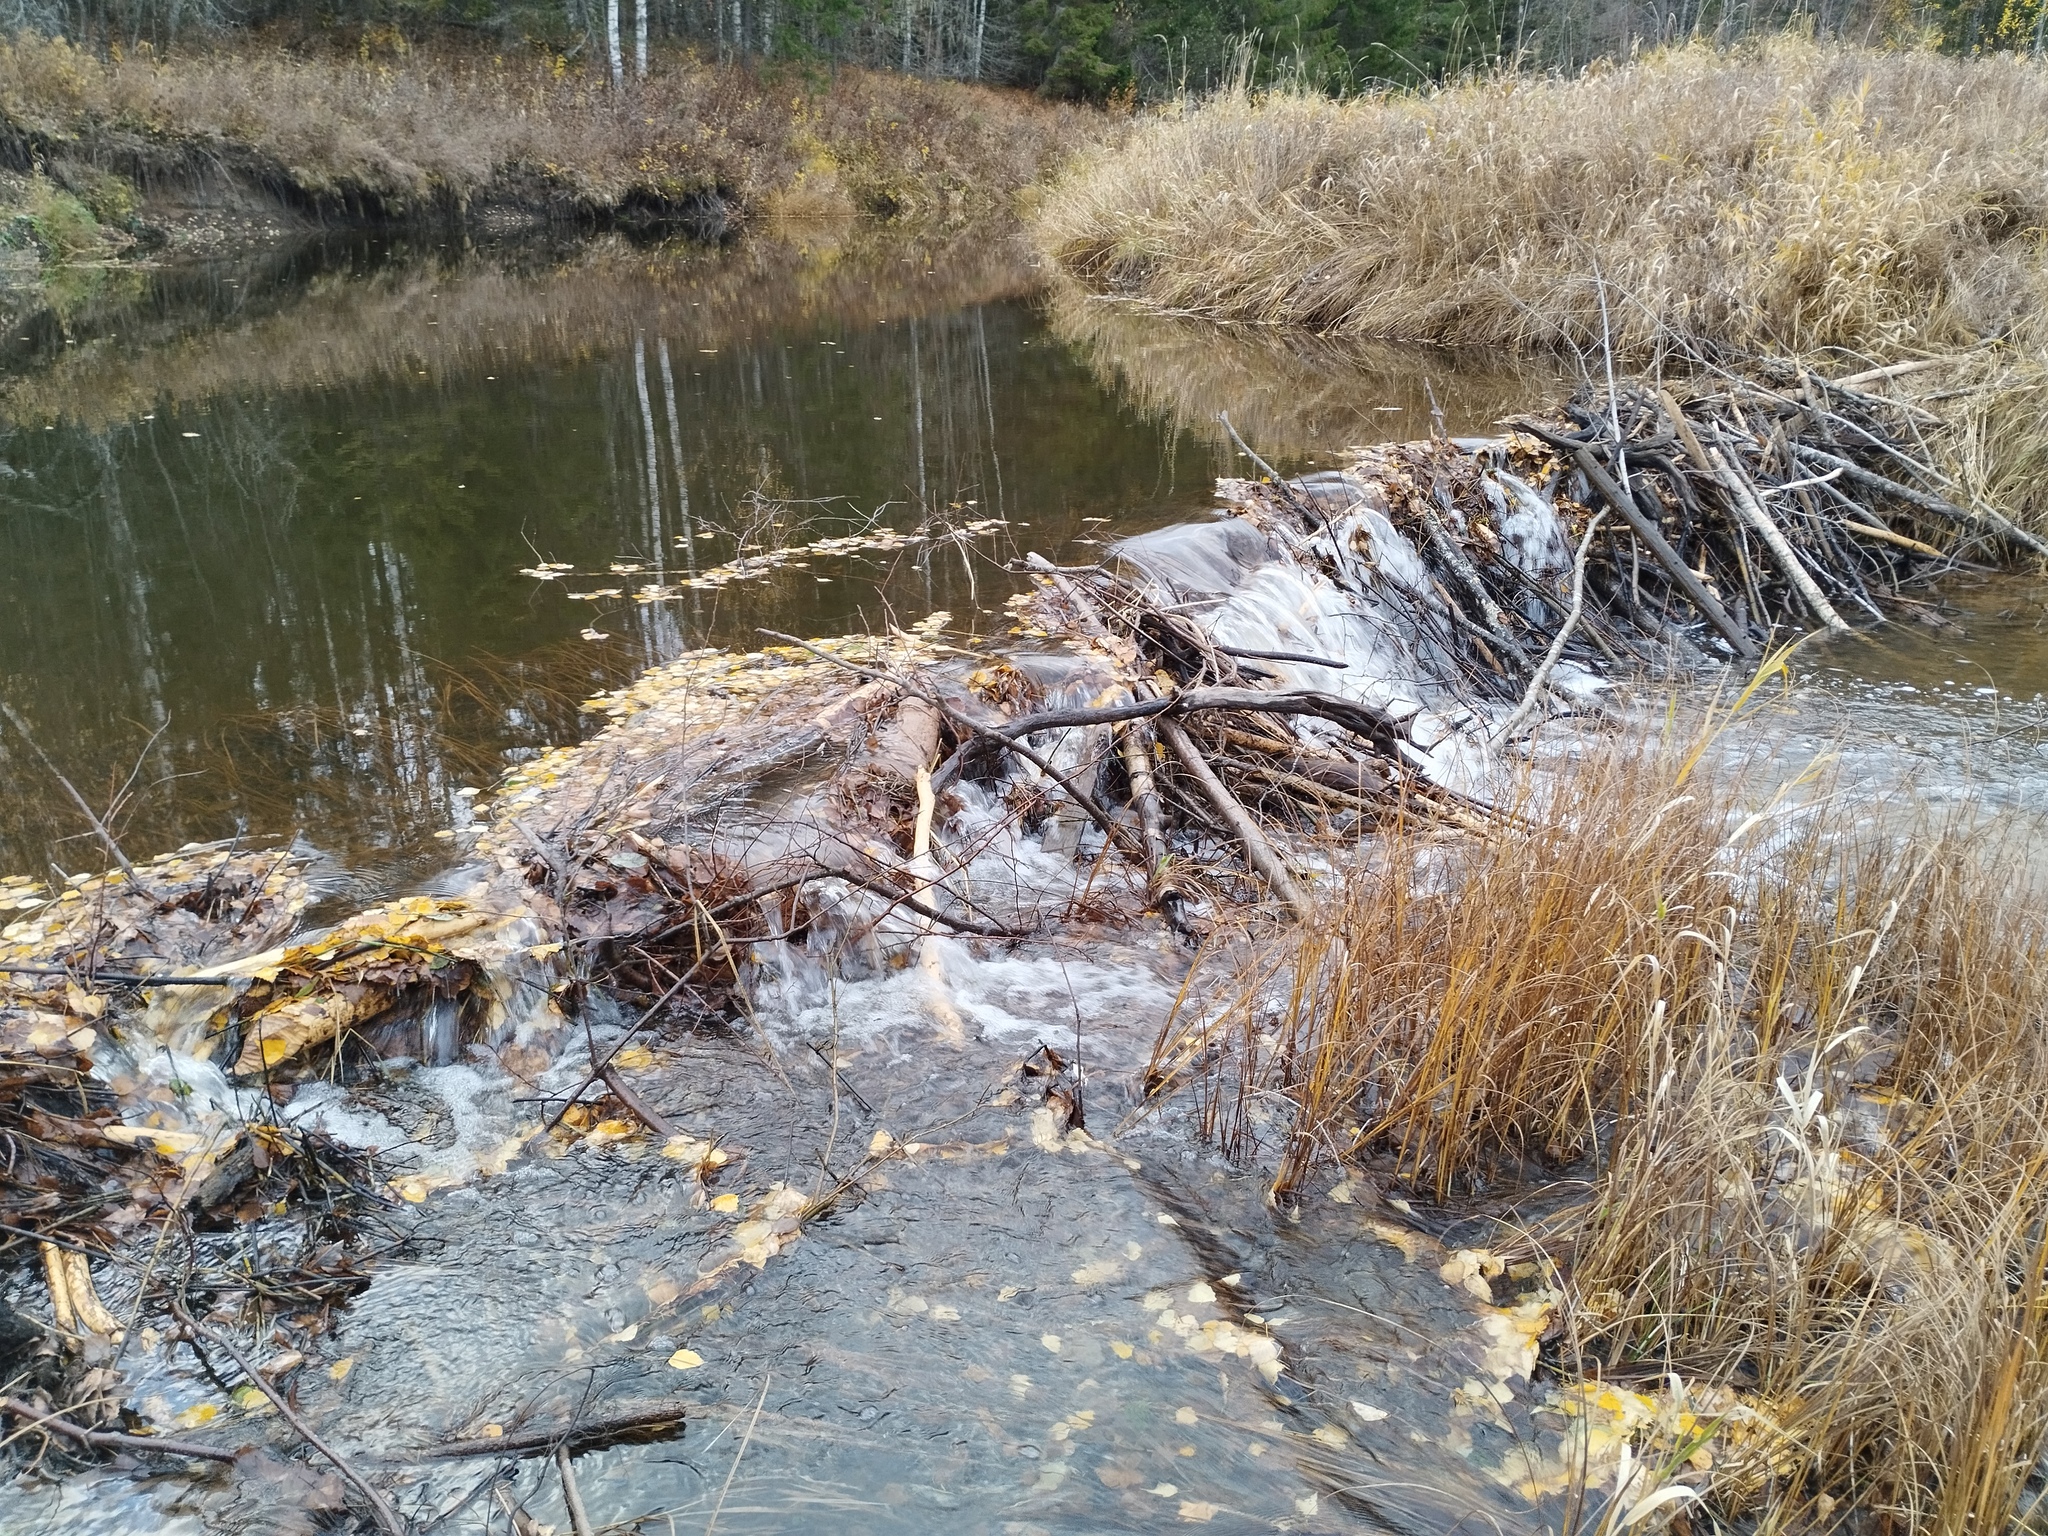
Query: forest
[1084, 50]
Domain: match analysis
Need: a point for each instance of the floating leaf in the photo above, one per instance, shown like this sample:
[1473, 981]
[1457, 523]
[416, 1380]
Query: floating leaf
[685, 1360]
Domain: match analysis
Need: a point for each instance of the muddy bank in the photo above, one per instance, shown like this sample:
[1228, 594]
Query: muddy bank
[208, 152]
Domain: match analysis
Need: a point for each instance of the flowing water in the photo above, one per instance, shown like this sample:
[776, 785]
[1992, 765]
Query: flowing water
[317, 543]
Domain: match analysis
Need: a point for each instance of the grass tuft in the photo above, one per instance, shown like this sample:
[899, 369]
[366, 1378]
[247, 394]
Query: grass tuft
[1792, 1046]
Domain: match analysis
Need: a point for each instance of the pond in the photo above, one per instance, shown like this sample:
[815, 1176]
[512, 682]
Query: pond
[320, 541]
[267, 523]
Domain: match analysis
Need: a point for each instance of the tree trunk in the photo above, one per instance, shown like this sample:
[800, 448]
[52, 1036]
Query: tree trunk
[640, 39]
[611, 40]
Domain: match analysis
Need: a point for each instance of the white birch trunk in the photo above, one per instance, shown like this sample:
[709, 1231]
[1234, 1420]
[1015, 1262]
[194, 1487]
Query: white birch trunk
[611, 39]
[640, 39]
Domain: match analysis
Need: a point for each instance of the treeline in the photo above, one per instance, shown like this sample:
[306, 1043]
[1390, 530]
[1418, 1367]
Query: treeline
[1093, 50]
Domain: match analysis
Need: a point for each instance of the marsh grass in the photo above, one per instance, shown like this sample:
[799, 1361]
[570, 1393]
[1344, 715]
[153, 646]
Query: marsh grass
[410, 129]
[1793, 1043]
[1843, 205]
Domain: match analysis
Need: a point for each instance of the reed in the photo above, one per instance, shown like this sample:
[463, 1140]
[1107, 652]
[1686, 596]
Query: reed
[1791, 1041]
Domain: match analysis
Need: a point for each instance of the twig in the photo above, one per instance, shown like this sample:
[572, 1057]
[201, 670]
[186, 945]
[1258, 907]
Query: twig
[1980, 519]
[1751, 511]
[745, 1440]
[108, 1439]
[1541, 678]
[572, 1496]
[388, 1517]
[99, 827]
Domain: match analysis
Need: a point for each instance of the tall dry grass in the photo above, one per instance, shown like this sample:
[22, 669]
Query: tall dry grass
[1794, 1044]
[409, 129]
[1787, 197]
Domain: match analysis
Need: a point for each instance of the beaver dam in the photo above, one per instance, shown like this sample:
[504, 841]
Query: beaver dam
[1292, 1038]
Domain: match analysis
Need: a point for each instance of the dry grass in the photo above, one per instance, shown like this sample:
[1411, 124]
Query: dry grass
[1795, 1044]
[1788, 197]
[412, 131]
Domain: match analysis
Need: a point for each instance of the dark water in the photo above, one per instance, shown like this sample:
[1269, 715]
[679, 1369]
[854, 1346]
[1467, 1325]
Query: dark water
[265, 523]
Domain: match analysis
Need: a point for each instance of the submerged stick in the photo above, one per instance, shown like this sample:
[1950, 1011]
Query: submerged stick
[388, 1517]
[108, 1439]
[589, 1435]
[572, 1496]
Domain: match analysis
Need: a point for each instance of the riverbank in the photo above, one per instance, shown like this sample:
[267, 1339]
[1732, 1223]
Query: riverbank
[1846, 207]
[209, 150]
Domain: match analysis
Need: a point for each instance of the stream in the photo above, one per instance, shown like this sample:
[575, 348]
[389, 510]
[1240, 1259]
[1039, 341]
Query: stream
[323, 542]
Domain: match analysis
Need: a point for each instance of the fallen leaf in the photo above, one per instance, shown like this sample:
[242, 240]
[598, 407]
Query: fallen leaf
[1185, 1416]
[1051, 1341]
[1367, 1412]
[340, 1369]
[725, 1202]
[1196, 1512]
[1120, 1349]
[1163, 1490]
[685, 1360]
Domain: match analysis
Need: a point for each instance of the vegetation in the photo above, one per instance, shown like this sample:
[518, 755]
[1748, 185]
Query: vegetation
[1792, 1042]
[1841, 204]
[418, 132]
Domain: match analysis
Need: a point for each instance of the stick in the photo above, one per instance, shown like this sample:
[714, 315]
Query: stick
[642, 1111]
[1548, 664]
[109, 1439]
[1259, 854]
[99, 827]
[1982, 520]
[388, 1517]
[1886, 536]
[1767, 529]
[572, 1496]
[1654, 541]
[583, 1436]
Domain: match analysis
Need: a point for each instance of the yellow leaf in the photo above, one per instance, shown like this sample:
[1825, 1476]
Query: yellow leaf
[491, 1431]
[726, 1202]
[685, 1360]
[198, 1414]
[1120, 1349]
[275, 1050]
[542, 951]
[1051, 1341]
[636, 1058]
[250, 1399]
[340, 1369]
[1184, 1416]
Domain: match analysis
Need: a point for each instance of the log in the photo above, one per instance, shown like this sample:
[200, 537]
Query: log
[1752, 512]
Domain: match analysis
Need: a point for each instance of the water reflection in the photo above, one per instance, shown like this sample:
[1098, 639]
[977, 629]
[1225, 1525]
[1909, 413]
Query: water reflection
[267, 518]
[283, 529]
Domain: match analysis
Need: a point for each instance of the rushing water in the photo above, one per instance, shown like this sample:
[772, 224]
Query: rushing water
[271, 523]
